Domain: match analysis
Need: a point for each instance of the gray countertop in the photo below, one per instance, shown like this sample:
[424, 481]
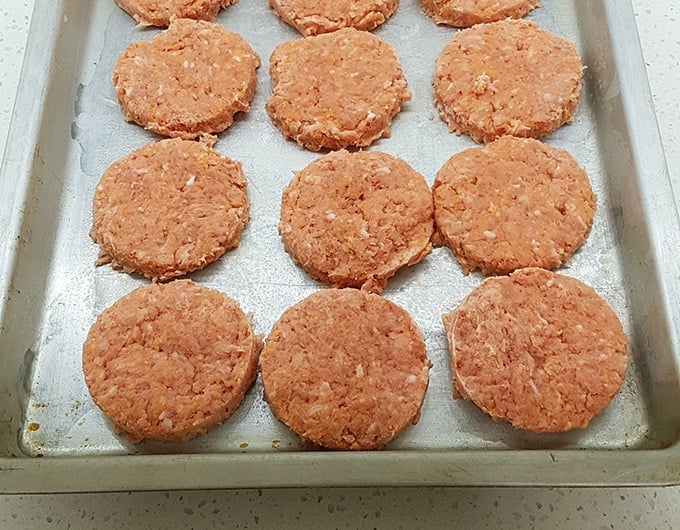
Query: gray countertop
[597, 508]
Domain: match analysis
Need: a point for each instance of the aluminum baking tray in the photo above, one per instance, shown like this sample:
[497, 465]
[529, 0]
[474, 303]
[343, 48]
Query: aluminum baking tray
[67, 128]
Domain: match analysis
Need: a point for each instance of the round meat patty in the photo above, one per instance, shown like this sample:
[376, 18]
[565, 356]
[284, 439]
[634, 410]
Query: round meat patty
[169, 208]
[336, 90]
[188, 81]
[507, 78]
[540, 350]
[324, 16]
[513, 203]
[168, 362]
[354, 219]
[345, 369]
[465, 13]
[161, 12]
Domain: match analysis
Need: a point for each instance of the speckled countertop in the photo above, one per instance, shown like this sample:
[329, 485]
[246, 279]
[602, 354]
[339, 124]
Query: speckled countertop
[563, 508]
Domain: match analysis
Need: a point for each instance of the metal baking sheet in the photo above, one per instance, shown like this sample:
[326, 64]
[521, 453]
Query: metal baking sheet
[67, 128]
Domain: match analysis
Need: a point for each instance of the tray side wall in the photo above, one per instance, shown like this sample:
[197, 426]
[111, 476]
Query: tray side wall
[644, 213]
[40, 188]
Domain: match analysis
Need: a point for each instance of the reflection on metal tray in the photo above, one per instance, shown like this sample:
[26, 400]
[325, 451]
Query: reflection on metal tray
[68, 127]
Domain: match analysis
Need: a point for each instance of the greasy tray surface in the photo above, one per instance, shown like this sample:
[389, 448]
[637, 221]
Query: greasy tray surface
[52, 292]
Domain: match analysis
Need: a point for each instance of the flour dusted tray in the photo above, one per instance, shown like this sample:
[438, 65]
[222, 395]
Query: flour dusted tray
[67, 128]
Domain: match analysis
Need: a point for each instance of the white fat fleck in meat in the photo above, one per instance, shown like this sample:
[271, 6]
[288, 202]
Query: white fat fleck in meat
[312, 179]
[185, 64]
[363, 232]
[383, 169]
[317, 410]
[480, 84]
[411, 379]
[370, 115]
[489, 234]
[359, 370]
[167, 424]
[287, 229]
[533, 387]
[330, 215]
[237, 58]
[191, 181]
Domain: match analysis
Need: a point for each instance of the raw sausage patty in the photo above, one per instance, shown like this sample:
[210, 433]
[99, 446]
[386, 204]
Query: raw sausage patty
[465, 13]
[161, 12]
[540, 350]
[188, 81]
[345, 369]
[168, 362]
[354, 219]
[324, 16]
[513, 203]
[335, 90]
[507, 78]
[169, 208]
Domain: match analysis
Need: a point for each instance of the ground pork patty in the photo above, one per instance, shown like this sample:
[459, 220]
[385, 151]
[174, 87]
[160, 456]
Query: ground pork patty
[168, 362]
[169, 208]
[465, 13]
[354, 219]
[324, 16]
[188, 81]
[161, 12]
[540, 350]
[345, 369]
[513, 203]
[507, 78]
[335, 90]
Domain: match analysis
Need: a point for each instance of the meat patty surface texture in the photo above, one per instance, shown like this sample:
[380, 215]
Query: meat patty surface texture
[466, 13]
[543, 351]
[335, 90]
[507, 78]
[168, 362]
[324, 16]
[169, 208]
[511, 204]
[354, 219]
[161, 12]
[188, 81]
[345, 369]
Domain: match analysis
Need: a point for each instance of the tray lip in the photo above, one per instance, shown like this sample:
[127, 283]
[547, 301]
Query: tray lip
[418, 467]
[337, 469]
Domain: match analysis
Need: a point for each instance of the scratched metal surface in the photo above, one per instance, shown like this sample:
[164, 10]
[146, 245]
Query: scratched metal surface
[53, 291]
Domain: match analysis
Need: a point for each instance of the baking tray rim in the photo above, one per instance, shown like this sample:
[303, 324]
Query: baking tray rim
[284, 469]
[478, 467]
